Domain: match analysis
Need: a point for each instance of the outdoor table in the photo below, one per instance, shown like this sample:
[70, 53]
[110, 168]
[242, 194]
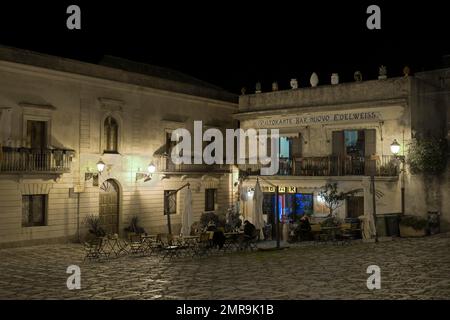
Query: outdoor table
[149, 243]
[189, 243]
[329, 232]
[112, 245]
[233, 240]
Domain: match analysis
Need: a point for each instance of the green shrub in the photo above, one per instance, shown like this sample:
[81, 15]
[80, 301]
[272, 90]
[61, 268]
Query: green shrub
[428, 156]
[134, 226]
[93, 222]
[416, 223]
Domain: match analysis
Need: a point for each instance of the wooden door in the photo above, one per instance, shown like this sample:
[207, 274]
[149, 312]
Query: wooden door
[109, 207]
[355, 206]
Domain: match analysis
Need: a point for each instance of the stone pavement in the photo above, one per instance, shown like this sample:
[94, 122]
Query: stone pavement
[410, 269]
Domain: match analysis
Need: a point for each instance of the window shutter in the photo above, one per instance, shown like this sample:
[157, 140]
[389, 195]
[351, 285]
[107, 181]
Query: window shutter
[370, 142]
[269, 146]
[338, 152]
[296, 146]
[338, 147]
[29, 132]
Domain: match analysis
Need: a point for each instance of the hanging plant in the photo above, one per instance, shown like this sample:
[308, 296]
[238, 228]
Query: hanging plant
[428, 156]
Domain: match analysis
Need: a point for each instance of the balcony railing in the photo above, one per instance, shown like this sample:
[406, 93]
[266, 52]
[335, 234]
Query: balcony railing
[333, 166]
[26, 160]
[165, 165]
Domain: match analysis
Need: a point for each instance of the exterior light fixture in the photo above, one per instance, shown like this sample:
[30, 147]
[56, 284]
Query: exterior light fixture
[100, 166]
[395, 147]
[91, 175]
[146, 176]
[151, 168]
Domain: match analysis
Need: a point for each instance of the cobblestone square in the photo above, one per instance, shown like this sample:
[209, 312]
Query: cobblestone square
[410, 269]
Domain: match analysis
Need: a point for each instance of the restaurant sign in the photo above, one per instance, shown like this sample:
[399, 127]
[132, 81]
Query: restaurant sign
[318, 119]
[281, 189]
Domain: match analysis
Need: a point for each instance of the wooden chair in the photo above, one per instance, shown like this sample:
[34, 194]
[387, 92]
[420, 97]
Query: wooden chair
[203, 245]
[136, 244]
[168, 247]
[93, 249]
[250, 242]
[315, 231]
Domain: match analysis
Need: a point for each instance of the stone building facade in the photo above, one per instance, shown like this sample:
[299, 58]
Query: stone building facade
[343, 133]
[61, 117]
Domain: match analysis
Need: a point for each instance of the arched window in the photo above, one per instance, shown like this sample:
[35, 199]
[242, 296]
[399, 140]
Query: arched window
[111, 135]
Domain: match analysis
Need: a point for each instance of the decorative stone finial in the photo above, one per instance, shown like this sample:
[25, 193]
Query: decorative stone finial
[275, 86]
[334, 78]
[294, 84]
[258, 87]
[382, 73]
[314, 80]
[406, 71]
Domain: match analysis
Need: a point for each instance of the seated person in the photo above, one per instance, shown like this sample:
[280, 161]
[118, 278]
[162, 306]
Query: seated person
[249, 229]
[250, 235]
[303, 231]
[218, 239]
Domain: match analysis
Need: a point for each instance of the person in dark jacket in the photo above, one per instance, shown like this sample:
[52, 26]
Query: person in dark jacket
[249, 229]
[218, 239]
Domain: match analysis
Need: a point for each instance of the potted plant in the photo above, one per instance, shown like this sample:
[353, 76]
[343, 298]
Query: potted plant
[434, 225]
[412, 226]
[134, 228]
[93, 222]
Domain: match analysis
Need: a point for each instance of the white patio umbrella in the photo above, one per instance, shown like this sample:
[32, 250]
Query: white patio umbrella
[186, 222]
[257, 216]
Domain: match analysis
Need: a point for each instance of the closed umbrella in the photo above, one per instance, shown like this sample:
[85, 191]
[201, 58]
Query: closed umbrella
[187, 214]
[257, 217]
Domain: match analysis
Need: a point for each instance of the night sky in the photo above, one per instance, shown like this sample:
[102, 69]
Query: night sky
[232, 44]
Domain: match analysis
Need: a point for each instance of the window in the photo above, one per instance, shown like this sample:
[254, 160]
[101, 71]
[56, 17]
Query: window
[291, 206]
[34, 208]
[351, 149]
[37, 134]
[210, 199]
[170, 202]
[111, 134]
[290, 149]
[354, 143]
[269, 203]
[169, 143]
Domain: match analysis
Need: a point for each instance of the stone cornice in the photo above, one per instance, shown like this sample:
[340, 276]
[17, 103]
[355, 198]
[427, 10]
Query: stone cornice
[320, 108]
[113, 84]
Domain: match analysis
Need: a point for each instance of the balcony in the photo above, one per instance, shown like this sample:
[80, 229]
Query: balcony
[165, 165]
[44, 161]
[333, 166]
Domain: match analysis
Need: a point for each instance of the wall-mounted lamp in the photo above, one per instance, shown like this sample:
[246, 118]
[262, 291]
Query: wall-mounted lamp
[91, 175]
[250, 192]
[395, 149]
[146, 176]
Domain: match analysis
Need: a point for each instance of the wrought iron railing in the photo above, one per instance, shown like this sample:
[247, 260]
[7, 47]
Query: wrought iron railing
[164, 164]
[332, 166]
[27, 160]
